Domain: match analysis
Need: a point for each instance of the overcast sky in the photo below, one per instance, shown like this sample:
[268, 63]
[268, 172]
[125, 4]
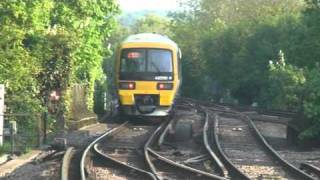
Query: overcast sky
[137, 5]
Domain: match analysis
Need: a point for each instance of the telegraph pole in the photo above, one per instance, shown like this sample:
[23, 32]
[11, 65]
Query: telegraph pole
[1, 112]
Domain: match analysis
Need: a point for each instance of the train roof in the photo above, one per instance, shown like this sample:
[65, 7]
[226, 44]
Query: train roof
[149, 38]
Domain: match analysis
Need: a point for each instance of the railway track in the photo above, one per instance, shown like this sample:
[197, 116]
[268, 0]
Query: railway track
[201, 141]
[282, 169]
[236, 139]
[125, 148]
[297, 157]
[311, 169]
[187, 157]
[70, 169]
[258, 110]
[234, 130]
[118, 154]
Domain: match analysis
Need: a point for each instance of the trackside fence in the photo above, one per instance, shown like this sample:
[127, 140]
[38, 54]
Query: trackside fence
[22, 132]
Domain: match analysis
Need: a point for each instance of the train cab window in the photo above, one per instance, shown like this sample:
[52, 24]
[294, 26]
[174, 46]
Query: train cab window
[146, 64]
[133, 60]
[159, 61]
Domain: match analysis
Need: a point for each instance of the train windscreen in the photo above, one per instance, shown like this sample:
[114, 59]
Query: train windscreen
[146, 64]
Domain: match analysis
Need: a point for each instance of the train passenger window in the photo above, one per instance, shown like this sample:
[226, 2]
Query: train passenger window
[159, 61]
[133, 60]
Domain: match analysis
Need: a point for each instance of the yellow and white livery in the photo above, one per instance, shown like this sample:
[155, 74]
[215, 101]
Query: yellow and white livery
[148, 74]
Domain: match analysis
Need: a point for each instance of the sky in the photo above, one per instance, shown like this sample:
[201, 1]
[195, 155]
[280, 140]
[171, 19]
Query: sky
[138, 5]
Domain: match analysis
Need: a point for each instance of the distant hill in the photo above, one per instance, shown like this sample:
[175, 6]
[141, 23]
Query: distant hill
[129, 18]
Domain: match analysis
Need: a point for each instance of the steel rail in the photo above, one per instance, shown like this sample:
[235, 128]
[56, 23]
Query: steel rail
[233, 170]
[127, 166]
[221, 168]
[86, 151]
[164, 133]
[163, 129]
[310, 168]
[64, 172]
[276, 112]
[294, 170]
[186, 168]
[291, 168]
[146, 152]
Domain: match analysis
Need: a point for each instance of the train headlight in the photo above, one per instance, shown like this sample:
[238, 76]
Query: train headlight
[127, 85]
[165, 86]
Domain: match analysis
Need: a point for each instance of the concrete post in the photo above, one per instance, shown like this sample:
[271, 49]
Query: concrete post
[1, 112]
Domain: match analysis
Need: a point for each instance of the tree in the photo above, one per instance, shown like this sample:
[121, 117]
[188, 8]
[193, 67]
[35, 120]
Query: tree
[49, 45]
[151, 23]
[238, 37]
[286, 85]
[311, 105]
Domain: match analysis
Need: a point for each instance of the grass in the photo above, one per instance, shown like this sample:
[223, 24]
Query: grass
[5, 148]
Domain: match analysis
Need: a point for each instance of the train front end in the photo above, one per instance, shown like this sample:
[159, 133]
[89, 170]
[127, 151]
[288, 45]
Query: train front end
[148, 79]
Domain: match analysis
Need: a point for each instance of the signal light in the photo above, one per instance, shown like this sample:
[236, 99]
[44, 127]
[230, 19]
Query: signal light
[127, 85]
[165, 86]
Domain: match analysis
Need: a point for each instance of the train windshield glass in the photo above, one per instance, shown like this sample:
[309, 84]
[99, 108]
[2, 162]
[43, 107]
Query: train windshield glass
[146, 60]
[146, 64]
[159, 61]
[133, 60]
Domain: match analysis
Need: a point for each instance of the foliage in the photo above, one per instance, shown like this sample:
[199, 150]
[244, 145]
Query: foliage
[151, 23]
[99, 97]
[311, 104]
[294, 88]
[89, 24]
[286, 84]
[188, 38]
[227, 46]
[18, 67]
[49, 45]
[233, 38]
[5, 148]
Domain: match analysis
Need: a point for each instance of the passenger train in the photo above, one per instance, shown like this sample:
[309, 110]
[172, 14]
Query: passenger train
[148, 74]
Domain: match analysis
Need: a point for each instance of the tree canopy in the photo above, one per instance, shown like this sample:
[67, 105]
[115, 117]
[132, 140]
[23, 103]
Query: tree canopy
[228, 46]
[49, 45]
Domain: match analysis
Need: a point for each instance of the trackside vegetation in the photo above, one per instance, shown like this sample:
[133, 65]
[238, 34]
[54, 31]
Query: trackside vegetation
[51, 45]
[253, 52]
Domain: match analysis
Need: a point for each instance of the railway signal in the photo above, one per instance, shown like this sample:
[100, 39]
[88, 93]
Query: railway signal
[54, 96]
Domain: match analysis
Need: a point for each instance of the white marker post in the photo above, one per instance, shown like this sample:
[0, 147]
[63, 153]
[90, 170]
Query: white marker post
[1, 112]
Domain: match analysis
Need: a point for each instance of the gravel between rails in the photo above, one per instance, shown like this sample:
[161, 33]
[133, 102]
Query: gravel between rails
[237, 139]
[120, 150]
[189, 151]
[180, 152]
[293, 154]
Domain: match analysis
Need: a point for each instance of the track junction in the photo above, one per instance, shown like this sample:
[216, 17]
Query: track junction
[199, 141]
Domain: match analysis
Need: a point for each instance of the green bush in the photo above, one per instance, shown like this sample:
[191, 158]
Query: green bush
[49, 45]
[99, 97]
[5, 148]
[311, 105]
